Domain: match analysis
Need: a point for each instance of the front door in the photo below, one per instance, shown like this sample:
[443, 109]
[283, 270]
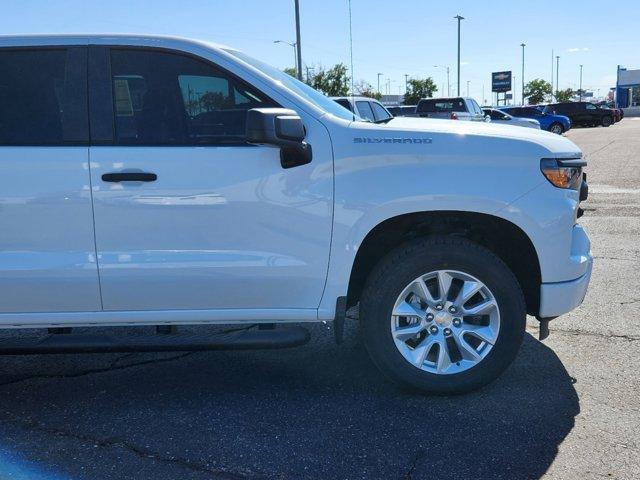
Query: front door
[187, 214]
[47, 250]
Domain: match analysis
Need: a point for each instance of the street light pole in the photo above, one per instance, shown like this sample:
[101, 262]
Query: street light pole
[295, 56]
[459, 18]
[522, 78]
[379, 75]
[557, 73]
[406, 82]
[580, 82]
[298, 46]
[468, 82]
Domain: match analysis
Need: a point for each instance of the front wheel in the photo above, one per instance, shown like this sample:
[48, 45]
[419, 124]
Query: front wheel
[442, 315]
[556, 128]
[607, 121]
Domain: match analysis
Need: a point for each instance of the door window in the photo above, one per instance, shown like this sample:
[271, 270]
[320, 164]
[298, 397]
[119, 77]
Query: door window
[164, 98]
[365, 111]
[43, 96]
[591, 106]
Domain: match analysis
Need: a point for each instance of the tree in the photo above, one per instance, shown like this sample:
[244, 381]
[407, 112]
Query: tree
[365, 89]
[417, 89]
[565, 95]
[536, 91]
[291, 71]
[333, 82]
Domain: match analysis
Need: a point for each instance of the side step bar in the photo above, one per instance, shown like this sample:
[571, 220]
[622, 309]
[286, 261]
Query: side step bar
[240, 339]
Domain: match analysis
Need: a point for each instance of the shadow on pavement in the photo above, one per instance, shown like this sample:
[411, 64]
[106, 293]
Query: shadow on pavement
[320, 411]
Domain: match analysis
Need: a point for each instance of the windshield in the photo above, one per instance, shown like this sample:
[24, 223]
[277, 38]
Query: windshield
[302, 89]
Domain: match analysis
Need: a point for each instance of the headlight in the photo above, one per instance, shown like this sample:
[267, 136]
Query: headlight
[563, 173]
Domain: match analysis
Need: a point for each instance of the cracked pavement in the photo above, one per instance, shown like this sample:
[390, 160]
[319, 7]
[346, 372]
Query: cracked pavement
[567, 409]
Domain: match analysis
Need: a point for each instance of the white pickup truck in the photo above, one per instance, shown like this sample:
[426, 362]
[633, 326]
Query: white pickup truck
[161, 182]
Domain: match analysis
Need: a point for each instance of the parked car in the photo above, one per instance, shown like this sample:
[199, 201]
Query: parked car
[548, 121]
[187, 183]
[402, 110]
[618, 113]
[500, 117]
[583, 113]
[457, 108]
[366, 108]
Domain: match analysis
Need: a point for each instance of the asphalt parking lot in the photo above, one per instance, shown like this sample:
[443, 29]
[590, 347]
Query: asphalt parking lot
[567, 409]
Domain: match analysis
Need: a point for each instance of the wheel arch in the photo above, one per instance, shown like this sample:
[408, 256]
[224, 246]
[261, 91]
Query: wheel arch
[504, 238]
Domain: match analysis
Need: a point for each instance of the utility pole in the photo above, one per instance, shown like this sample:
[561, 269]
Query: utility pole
[580, 82]
[557, 73]
[459, 18]
[406, 82]
[379, 75]
[298, 46]
[522, 78]
[552, 54]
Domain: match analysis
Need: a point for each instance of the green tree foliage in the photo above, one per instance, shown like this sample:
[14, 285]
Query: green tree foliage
[333, 82]
[565, 95]
[536, 90]
[365, 89]
[291, 71]
[419, 88]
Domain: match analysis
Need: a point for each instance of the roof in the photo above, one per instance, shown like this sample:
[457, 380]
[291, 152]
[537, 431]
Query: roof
[105, 39]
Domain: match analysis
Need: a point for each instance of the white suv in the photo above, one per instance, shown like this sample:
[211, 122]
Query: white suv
[160, 181]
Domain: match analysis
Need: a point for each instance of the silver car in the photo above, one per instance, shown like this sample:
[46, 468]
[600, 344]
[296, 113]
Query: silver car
[455, 108]
[366, 108]
[498, 116]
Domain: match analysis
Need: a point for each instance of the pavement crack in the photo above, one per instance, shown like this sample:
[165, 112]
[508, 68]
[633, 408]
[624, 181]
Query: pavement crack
[113, 366]
[600, 149]
[631, 302]
[630, 338]
[414, 463]
[218, 472]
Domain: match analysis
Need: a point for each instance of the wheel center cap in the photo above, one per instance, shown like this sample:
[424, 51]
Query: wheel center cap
[443, 319]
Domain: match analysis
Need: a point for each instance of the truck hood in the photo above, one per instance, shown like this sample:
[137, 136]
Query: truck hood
[556, 144]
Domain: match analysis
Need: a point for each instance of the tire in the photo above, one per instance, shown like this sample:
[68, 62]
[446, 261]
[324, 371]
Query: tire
[607, 121]
[385, 287]
[556, 128]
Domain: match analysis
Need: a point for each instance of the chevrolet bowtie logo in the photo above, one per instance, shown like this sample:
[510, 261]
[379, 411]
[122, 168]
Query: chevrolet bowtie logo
[501, 76]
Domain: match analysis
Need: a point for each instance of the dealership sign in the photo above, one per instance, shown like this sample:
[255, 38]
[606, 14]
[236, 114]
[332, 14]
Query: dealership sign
[501, 81]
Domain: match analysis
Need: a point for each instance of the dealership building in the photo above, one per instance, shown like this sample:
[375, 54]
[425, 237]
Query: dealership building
[628, 80]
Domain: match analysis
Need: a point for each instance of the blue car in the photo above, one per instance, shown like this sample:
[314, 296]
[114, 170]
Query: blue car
[548, 121]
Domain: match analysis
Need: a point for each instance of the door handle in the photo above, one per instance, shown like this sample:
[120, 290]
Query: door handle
[129, 177]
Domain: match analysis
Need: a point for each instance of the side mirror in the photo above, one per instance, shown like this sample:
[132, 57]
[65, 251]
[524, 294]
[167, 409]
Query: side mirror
[282, 128]
[487, 118]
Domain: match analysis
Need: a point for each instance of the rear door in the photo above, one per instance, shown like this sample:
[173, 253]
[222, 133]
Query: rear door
[188, 215]
[47, 250]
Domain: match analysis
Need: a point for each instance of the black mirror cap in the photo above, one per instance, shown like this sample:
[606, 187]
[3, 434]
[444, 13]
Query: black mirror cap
[274, 126]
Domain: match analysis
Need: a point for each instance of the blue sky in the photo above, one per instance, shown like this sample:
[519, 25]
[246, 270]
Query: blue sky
[393, 38]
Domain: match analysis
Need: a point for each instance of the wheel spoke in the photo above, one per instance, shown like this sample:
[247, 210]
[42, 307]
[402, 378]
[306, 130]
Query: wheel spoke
[419, 354]
[469, 289]
[486, 334]
[406, 309]
[484, 307]
[467, 351]
[424, 292]
[444, 361]
[405, 333]
[444, 284]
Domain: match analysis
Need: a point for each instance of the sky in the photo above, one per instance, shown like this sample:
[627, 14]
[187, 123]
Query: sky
[395, 38]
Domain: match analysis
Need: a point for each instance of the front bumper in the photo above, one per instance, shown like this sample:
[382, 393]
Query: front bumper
[562, 297]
